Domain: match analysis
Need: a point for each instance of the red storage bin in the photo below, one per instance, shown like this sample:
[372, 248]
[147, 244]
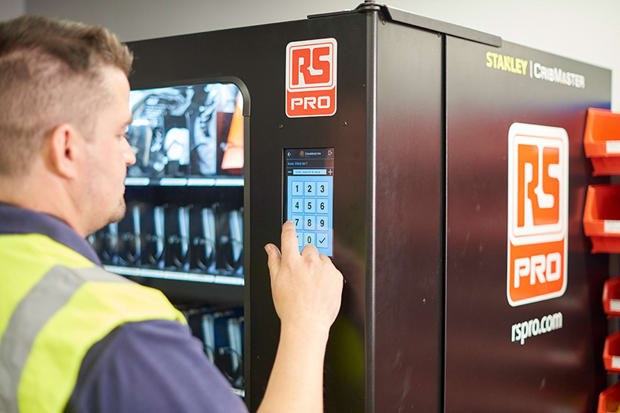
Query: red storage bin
[609, 400]
[601, 217]
[611, 297]
[602, 141]
[611, 353]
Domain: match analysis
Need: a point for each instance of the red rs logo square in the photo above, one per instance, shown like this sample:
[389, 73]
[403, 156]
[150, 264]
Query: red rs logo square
[537, 213]
[311, 78]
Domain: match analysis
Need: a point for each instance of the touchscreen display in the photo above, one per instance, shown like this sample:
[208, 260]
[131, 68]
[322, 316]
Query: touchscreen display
[309, 193]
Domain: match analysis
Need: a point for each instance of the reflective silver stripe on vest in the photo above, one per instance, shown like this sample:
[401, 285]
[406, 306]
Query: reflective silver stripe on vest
[48, 296]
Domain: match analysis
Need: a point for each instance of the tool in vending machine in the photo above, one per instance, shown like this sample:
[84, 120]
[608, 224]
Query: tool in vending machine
[183, 131]
[221, 333]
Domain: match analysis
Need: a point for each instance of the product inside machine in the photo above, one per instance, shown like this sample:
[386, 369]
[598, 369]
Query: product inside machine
[221, 333]
[186, 130]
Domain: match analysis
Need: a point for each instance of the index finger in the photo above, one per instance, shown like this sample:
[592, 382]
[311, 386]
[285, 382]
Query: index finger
[289, 239]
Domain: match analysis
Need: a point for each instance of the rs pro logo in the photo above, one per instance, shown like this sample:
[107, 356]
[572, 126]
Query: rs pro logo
[537, 213]
[311, 78]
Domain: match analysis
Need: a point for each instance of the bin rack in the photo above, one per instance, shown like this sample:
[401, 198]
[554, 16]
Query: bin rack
[609, 400]
[601, 218]
[611, 297]
[602, 141]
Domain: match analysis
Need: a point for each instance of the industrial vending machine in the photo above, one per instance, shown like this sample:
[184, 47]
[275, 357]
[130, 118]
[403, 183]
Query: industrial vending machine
[442, 170]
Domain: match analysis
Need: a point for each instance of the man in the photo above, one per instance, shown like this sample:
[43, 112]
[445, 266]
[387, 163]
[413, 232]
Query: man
[72, 336]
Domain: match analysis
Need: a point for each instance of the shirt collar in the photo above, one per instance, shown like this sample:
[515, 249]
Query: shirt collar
[17, 220]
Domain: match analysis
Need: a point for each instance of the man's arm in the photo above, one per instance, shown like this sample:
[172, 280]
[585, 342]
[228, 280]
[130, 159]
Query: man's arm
[307, 291]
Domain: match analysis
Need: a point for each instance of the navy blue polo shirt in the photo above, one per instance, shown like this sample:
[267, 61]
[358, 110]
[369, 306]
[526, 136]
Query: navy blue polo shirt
[149, 366]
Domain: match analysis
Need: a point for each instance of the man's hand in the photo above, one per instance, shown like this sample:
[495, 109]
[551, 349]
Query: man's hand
[306, 287]
[307, 291]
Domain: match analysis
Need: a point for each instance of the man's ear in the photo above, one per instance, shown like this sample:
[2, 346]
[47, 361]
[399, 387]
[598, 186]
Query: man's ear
[65, 148]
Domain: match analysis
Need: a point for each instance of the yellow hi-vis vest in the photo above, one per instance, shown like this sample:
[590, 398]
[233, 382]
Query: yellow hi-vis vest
[54, 305]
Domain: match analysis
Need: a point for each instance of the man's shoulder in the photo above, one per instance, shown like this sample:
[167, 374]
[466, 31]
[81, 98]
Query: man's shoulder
[15, 220]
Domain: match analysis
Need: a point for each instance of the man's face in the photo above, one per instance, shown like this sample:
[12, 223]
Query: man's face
[108, 155]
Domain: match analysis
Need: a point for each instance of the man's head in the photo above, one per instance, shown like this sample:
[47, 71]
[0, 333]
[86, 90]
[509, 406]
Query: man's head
[63, 111]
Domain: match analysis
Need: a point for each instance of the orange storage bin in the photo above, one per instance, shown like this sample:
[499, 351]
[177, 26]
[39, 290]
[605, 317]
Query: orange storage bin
[601, 217]
[602, 141]
[611, 353]
[611, 297]
[609, 400]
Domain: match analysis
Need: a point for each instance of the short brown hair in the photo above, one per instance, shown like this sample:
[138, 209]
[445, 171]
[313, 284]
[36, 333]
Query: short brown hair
[50, 74]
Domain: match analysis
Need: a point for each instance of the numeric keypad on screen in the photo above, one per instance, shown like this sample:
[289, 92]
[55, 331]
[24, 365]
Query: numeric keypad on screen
[310, 212]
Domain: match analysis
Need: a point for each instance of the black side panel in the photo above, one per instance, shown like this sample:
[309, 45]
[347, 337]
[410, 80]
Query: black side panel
[486, 371]
[409, 221]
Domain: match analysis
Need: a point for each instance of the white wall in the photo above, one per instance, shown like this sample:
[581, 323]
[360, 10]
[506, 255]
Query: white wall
[12, 8]
[584, 30]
